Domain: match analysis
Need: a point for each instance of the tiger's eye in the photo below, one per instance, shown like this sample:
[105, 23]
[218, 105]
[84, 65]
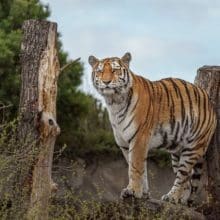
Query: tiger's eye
[98, 72]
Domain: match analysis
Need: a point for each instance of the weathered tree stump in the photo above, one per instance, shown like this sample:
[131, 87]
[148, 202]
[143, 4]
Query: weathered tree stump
[208, 78]
[40, 70]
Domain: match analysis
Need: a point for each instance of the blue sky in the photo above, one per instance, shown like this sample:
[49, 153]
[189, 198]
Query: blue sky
[165, 37]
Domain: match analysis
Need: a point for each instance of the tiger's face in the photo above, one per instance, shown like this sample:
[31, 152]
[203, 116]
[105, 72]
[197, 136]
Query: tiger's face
[111, 75]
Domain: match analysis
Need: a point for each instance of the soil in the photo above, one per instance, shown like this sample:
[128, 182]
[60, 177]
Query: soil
[106, 177]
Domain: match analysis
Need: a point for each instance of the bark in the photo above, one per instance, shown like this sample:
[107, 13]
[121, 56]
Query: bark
[208, 78]
[40, 70]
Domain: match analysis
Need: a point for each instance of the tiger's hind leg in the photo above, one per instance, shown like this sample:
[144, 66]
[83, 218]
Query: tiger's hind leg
[185, 193]
[175, 157]
[175, 162]
[197, 181]
[188, 158]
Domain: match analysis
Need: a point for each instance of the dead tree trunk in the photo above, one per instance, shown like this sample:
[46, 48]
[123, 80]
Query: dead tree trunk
[208, 78]
[40, 70]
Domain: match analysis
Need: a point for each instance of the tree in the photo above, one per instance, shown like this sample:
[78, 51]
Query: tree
[12, 15]
[208, 78]
[38, 111]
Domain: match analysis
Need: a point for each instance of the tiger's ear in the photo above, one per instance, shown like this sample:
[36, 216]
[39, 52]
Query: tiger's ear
[126, 58]
[93, 60]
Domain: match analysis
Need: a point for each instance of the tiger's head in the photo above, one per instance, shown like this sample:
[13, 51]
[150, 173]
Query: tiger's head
[111, 75]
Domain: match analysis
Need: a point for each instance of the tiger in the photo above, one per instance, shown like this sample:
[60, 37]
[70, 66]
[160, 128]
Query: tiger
[169, 114]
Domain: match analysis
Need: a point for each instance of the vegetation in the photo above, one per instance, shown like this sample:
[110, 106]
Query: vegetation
[160, 157]
[16, 160]
[12, 15]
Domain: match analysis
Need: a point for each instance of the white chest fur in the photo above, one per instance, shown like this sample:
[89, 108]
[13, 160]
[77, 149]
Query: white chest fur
[122, 118]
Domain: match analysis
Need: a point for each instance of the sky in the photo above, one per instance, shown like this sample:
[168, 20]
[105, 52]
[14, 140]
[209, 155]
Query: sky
[166, 38]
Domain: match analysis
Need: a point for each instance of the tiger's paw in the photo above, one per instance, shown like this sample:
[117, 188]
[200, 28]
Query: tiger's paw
[170, 198]
[127, 192]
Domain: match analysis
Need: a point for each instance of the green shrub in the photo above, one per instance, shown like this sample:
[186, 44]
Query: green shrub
[16, 161]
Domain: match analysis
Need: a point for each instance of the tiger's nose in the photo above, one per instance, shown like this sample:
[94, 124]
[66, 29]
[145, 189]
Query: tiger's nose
[106, 82]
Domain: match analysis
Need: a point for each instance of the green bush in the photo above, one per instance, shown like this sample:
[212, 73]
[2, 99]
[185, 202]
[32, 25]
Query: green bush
[160, 157]
[85, 129]
[16, 161]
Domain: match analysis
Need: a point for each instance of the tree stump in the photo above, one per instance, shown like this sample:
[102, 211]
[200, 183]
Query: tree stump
[208, 78]
[40, 70]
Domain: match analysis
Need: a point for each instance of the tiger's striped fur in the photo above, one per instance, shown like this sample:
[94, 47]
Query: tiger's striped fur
[170, 113]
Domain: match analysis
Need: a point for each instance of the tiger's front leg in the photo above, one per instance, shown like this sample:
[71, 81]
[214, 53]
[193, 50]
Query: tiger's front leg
[136, 170]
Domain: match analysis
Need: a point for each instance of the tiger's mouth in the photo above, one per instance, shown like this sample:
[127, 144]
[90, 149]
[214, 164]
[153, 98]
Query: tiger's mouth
[105, 87]
[110, 89]
[107, 91]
